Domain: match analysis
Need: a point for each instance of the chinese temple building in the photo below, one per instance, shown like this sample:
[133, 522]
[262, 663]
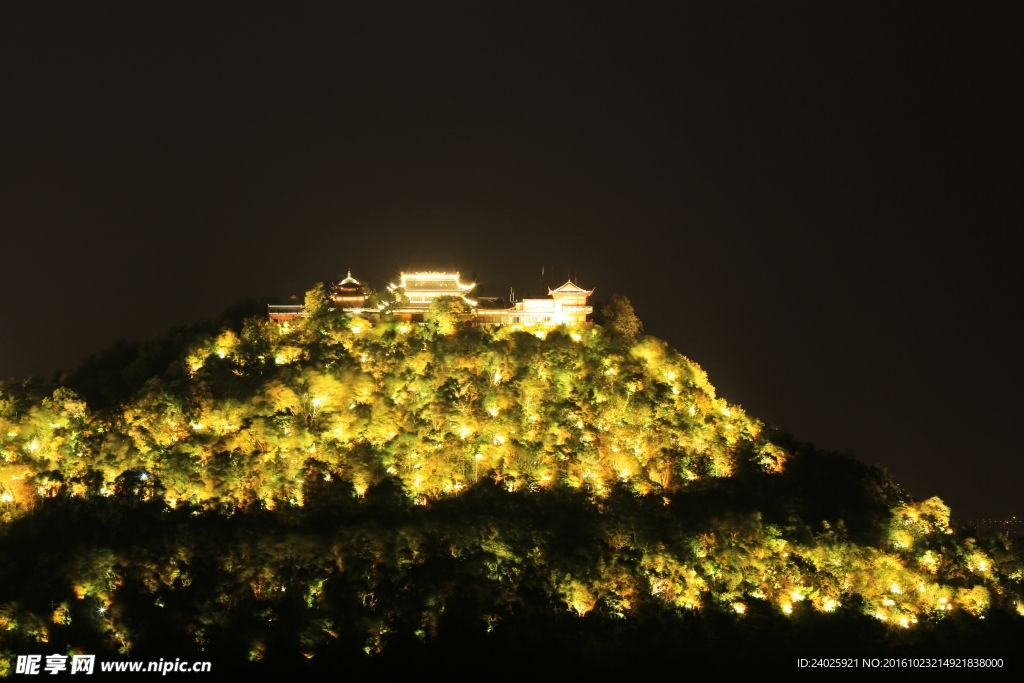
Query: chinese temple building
[350, 293]
[566, 305]
[286, 313]
[420, 290]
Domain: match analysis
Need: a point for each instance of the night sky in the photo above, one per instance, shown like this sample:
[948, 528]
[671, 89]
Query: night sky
[819, 203]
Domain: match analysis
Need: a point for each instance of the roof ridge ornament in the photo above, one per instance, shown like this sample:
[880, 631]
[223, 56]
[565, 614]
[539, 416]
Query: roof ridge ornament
[350, 280]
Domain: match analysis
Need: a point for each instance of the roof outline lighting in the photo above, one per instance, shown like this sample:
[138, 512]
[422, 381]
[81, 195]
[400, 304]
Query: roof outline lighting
[570, 288]
[427, 276]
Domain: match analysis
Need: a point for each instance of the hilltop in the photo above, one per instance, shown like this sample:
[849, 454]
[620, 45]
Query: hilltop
[344, 490]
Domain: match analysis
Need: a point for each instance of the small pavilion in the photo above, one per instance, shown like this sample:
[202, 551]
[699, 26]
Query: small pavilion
[349, 294]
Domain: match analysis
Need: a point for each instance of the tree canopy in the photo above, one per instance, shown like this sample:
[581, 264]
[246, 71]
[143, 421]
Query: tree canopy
[618, 315]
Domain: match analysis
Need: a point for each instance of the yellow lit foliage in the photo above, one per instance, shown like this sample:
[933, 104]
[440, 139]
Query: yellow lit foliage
[252, 420]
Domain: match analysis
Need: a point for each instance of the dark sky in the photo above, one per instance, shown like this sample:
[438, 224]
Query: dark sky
[819, 203]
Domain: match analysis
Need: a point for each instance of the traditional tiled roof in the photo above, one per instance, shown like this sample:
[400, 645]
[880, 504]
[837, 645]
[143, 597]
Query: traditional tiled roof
[570, 288]
[351, 280]
[433, 282]
[349, 287]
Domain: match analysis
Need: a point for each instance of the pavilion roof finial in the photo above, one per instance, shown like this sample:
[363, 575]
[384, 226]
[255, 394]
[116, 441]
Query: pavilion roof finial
[350, 280]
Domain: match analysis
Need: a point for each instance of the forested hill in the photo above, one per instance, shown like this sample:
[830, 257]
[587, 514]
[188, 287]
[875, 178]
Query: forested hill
[348, 491]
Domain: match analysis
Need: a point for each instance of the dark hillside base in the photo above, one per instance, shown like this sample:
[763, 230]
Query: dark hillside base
[383, 561]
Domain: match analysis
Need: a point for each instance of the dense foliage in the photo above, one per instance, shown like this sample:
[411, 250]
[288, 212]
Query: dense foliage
[339, 487]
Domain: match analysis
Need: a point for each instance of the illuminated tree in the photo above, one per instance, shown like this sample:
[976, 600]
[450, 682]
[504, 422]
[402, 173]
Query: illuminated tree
[619, 316]
[444, 315]
[317, 300]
